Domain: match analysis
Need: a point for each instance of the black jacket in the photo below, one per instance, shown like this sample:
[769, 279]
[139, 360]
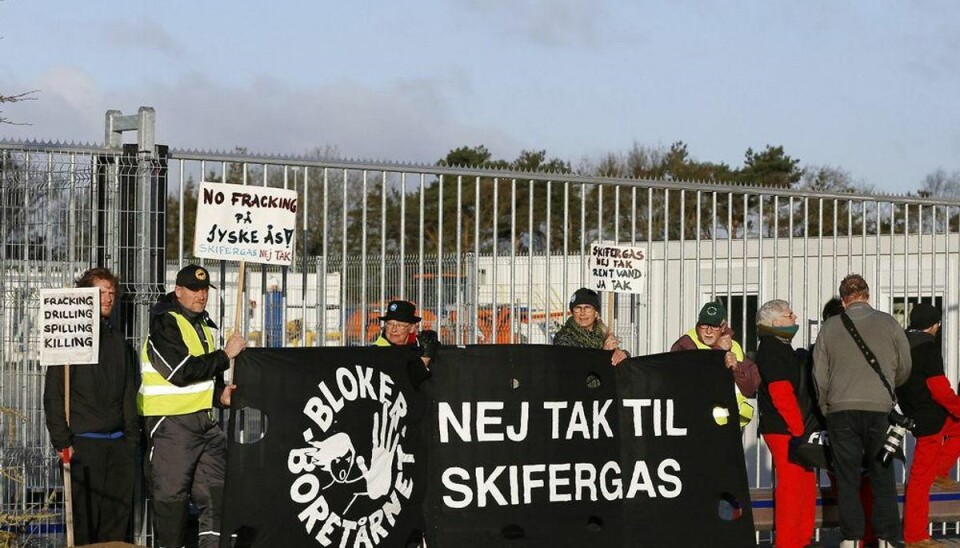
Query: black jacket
[103, 396]
[914, 396]
[779, 362]
[416, 370]
[169, 355]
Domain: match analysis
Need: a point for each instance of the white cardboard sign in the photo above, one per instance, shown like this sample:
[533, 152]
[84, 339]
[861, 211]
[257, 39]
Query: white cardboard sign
[617, 268]
[69, 326]
[245, 223]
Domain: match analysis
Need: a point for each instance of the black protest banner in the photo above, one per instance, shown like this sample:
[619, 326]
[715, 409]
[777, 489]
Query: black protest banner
[504, 445]
[340, 462]
[552, 446]
[695, 440]
[515, 426]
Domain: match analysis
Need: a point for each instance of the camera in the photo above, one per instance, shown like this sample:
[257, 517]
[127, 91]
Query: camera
[899, 424]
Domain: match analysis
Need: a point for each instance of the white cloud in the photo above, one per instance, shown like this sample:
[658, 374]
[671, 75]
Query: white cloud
[64, 108]
[543, 22]
[71, 85]
[405, 121]
[142, 33]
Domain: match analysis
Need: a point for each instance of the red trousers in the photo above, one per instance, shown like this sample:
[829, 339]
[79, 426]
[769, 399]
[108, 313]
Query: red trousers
[933, 456]
[794, 496]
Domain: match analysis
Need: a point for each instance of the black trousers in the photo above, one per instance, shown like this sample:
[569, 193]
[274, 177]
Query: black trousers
[856, 438]
[101, 475]
[186, 460]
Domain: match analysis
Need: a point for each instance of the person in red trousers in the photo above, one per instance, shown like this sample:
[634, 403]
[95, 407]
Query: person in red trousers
[795, 494]
[930, 401]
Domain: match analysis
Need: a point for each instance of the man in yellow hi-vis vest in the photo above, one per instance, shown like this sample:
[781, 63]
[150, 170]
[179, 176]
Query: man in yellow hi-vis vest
[182, 381]
[712, 332]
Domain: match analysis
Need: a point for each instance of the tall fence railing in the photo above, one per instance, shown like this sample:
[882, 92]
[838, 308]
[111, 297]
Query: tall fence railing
[491, 257]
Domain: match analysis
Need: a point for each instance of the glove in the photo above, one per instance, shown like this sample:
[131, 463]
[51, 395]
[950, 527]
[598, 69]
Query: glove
[65, 454]
[429, 342]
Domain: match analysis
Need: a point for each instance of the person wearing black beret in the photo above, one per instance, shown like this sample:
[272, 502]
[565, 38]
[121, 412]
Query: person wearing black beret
[585, 329]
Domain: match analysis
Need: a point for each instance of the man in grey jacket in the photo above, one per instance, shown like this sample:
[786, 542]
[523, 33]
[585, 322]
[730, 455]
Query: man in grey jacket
[856, 404]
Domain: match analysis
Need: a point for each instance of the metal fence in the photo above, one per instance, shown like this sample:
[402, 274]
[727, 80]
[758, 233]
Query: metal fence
[63, 209]
[489, 256]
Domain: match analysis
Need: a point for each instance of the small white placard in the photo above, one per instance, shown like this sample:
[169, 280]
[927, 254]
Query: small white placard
[69, 326]
[245, 223]
[617, 268]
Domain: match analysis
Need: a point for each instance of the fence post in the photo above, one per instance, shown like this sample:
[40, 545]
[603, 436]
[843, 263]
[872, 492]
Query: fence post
[133, 182]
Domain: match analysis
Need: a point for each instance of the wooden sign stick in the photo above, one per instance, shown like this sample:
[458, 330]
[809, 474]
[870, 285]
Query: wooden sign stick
[67, 487]
[611, 328]
[237, 320]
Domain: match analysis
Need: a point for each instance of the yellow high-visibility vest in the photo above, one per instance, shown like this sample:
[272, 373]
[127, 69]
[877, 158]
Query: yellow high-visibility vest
[744, 408]
[157, 396]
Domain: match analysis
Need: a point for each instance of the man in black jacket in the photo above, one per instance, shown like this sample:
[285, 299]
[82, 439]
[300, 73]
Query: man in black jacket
[928, 398]
[101, 438]
[400, 329]
[182, 381]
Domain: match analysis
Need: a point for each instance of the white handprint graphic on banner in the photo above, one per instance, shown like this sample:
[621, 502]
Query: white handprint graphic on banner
[385, 440]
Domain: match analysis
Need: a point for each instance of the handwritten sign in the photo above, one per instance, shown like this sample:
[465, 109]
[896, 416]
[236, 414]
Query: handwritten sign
[245, 223]
[69, 326]
[617, 268]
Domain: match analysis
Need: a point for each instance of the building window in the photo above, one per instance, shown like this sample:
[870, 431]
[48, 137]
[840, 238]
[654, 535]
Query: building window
[742, 317]
[902, 306]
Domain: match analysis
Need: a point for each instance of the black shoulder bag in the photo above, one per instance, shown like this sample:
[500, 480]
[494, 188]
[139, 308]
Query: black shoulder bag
[812, 449]
[899, 424]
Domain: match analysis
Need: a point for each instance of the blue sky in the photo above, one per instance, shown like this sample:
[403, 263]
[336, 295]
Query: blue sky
[872, 87]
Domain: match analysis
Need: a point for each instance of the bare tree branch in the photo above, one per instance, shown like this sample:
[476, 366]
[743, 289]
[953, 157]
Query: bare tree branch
[25, 96]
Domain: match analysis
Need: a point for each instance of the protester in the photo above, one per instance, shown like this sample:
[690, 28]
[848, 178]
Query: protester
[834, 307]
[101, 438]
[928, 398]
[182, 381]
[856, 401]
[713, 333]
[585, 329]
[781, 417]
[400, 329]
[831, 308]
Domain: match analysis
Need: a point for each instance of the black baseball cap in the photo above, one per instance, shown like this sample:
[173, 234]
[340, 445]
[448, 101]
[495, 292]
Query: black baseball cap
[194, 277]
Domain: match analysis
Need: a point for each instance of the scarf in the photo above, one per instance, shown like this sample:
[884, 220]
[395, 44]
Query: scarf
[784, 333]
[582, 338]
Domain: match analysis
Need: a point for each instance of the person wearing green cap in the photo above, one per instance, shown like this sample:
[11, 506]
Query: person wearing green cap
[713, 333]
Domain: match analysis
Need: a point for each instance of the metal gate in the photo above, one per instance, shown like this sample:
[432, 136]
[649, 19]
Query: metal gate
[489, 256]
